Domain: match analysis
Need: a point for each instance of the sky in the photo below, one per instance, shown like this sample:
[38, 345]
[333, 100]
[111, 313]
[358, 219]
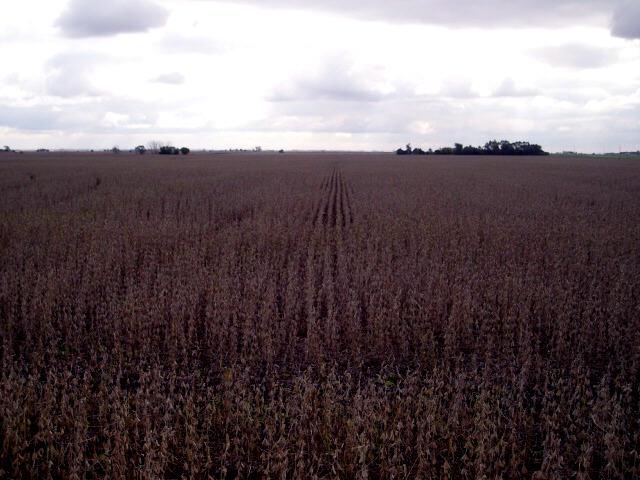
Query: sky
[320, 74]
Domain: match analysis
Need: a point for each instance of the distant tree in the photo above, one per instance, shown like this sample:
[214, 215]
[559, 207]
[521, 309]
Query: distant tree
[141, 150]
[469, 150]
[115, 150]
[407, 151]
[526, 148]
[492, 147]
[280, 151]
[506, 148]
[444, 151]
[169, 150]
[257, 149]
[154, 146]
[185, 151]
[6, 149]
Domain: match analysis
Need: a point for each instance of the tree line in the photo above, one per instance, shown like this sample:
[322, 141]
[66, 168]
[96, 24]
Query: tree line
[494, 147]
[155, 148]
[158, 148]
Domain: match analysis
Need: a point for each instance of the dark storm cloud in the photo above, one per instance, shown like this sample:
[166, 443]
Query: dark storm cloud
[100, 18]
[484, 13]
[576, 55]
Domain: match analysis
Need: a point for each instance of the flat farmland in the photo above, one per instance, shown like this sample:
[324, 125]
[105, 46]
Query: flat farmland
[319, 316]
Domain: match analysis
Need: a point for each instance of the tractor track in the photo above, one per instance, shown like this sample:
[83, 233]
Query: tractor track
[347, 210]
[334, 207]
[328, 221]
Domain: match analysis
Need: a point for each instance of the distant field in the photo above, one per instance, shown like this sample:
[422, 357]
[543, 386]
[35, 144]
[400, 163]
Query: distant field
[319, 316]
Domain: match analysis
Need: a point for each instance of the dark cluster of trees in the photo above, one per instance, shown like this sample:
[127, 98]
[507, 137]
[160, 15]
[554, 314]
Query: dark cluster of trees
[169, 150]
[162, 149]
[494, 147]
[7, 149]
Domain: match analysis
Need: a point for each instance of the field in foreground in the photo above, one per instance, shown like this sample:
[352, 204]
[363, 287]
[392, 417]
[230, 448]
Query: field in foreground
[319, 316]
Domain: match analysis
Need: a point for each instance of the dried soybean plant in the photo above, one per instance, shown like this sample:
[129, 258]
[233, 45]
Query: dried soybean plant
[326, 316]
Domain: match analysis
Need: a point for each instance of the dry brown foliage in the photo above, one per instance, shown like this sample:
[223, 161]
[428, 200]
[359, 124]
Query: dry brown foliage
[327, 316]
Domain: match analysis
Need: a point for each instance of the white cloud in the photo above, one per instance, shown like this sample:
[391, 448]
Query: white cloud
[307, 76]
[70, 74]
[28, 118]
[458, 88]
[174, 78]
[179, 43]
[576, 55]
[481, 13]
[100, 18]
[337, 79]
[421, 127]
[509, 88]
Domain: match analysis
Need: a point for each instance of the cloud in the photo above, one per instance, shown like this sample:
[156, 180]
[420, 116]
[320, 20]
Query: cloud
[508, 88]
[575, 55]
[174, 78]
[383, 83]
[338, 79]
[626, 21]
[421, 127]
[12, 34]
[394, 116]
[100, 18]
[430, 121]
[195, 44]
[70, 74]
[12, 78]
[467, 13]
[457, 88]
[90, 114]
[28, 118]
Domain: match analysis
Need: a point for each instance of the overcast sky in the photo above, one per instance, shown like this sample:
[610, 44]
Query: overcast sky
[320, 74]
